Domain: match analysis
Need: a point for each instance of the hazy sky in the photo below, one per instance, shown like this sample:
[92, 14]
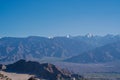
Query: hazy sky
[59, 17]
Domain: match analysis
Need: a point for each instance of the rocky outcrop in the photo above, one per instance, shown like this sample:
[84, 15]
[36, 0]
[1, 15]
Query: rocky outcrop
[42, 71]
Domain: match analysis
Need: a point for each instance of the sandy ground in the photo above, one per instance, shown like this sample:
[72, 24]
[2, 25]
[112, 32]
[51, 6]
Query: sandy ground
[15, 76]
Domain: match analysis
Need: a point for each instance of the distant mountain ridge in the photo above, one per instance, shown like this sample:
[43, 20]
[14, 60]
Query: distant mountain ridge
[35, 47]
[106, 53]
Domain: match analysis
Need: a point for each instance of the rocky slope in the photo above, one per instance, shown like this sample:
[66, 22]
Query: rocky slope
[42, 71]
[14, 76]
[3, 77]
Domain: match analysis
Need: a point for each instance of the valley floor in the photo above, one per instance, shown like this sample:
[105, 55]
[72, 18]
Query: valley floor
[102, 76]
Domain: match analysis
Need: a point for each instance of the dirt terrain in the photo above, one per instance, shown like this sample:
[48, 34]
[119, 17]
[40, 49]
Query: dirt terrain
[15, 76]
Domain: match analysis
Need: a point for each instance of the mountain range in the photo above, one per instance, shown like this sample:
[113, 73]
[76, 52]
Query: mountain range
[106, 53]
[83, 49]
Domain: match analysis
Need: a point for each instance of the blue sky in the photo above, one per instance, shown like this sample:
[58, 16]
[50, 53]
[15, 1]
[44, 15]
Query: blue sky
[59, 17]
